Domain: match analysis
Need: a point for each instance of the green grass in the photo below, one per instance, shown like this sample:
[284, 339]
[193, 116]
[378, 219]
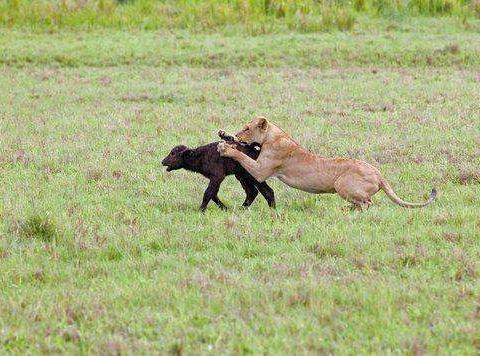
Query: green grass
[250, 16]
[399, 45]
[101, 250]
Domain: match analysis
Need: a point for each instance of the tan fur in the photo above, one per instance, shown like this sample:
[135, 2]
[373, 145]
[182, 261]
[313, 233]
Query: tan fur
[282, 157]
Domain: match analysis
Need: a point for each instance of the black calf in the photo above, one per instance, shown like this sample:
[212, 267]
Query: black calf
[207, 161]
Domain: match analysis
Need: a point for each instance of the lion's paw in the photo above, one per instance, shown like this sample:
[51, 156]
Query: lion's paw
[221, 148]
[224, 149]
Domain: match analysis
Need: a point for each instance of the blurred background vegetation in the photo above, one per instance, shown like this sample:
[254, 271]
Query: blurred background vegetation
[249, 16]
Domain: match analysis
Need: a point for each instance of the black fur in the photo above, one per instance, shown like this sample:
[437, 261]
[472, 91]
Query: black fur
[207, 161]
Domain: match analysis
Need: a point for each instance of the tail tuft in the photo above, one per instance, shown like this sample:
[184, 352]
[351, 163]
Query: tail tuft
[433, 194]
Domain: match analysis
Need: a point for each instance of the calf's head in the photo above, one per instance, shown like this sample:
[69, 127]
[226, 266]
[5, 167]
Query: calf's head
[175, 159]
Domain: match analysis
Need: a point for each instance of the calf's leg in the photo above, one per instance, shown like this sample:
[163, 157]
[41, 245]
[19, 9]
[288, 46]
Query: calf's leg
[267, 193]
[219, 203]
[249, 189]
[211, 191]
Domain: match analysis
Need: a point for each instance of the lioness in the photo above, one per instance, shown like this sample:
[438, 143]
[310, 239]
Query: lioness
[282, 157]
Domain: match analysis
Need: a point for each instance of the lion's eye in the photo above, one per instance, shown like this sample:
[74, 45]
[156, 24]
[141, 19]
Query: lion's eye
[247, 129]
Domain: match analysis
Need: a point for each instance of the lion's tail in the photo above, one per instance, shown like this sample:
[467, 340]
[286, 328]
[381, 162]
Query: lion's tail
[396, 199]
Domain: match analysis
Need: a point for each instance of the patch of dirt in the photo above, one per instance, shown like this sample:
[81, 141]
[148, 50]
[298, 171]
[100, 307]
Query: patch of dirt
[451, 236]
[411, 259]
[417, 348]
[388, 107]
[451, 157]
[202, 281]
[113, 348]
[20, 156]
[94, 175]
[325, 251]
[117, 174]
[302, 298]
[329, 112]
[71, 316]
[469, 177]
[71, 334]
[441, 219]
[137, 97]
[452, 48]
[149, 320]
[215, 120]
[369, 108]
[359, 263]
[47, 74]
[105, 80]
[50, 170]
[466, 270]
[132, 97]
[39, 275]
[177, 349]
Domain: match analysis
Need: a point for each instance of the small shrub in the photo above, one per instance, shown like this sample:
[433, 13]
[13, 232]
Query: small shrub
[452, 48]
[345, 20]
[465, 271]
[360, 5]
[71, 334]
[409, 259]
[300, 298]
[328, 19]
[155, 246]
[387, 8]
[113, 253]
[476, 8]
[433, 7]
[276, 8]
[39, 228]
[336, 250]
[468, 177]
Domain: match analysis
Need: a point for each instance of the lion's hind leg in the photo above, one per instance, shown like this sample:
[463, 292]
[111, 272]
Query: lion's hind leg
[357, 190]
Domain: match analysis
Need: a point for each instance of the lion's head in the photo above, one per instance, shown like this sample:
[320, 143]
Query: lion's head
[254, 131]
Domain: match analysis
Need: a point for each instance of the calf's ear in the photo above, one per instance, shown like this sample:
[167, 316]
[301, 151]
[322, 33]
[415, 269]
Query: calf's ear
[187, 153]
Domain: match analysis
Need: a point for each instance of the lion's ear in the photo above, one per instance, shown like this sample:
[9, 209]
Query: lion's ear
[262, 123]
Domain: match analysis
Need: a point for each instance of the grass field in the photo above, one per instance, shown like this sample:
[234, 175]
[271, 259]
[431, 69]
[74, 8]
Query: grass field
[239, 16]
[103, 251]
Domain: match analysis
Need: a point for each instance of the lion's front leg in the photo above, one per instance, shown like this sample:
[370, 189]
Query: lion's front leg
[226, 150]
[258, 169]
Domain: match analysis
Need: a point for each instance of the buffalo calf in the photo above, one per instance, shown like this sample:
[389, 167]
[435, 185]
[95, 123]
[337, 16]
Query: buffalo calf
[207, 161]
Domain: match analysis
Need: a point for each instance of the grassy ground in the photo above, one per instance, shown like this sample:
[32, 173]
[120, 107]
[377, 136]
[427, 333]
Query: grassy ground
[417, 43]
[241, 16]
[101, 250]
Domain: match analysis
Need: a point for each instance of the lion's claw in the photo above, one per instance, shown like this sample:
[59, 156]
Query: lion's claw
[224, 149]
[221, 148]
